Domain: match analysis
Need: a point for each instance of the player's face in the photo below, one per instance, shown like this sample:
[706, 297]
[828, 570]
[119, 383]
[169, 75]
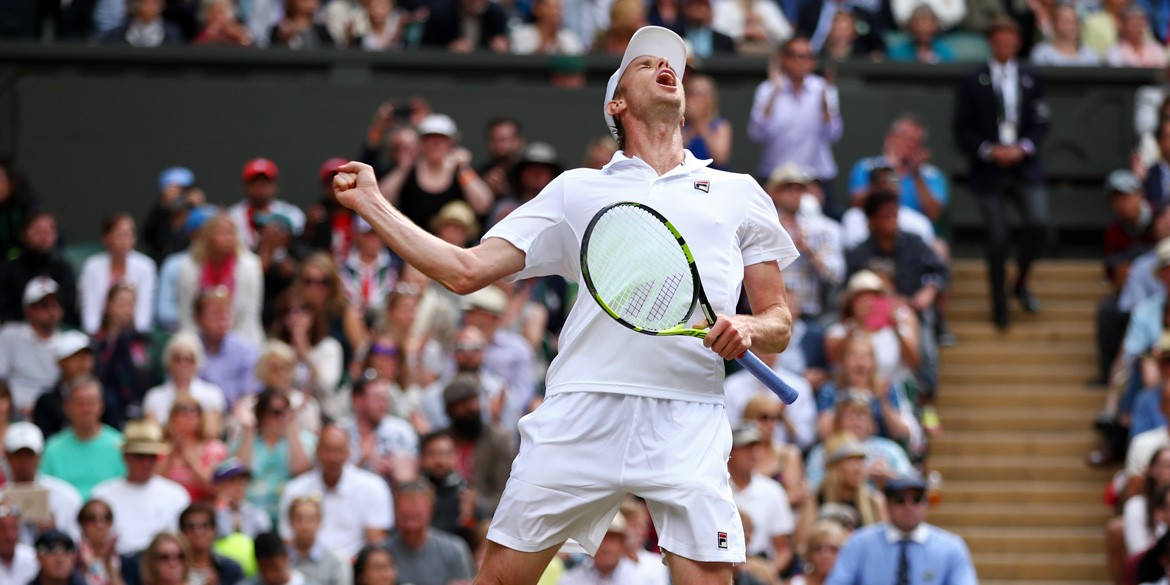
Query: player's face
[650, 89]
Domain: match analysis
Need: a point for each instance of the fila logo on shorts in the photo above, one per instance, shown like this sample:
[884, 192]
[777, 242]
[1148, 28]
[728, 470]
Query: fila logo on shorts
[722, 535]
[704, 186]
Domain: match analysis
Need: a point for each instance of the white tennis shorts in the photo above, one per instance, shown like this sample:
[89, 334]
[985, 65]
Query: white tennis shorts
[581, 453]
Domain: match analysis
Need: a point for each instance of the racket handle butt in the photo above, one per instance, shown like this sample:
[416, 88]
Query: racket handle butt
[765, 374]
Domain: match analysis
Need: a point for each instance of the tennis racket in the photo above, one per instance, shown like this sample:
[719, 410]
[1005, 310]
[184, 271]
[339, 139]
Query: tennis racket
[640, 270]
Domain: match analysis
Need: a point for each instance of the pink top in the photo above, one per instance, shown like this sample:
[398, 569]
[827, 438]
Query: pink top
[211, 454]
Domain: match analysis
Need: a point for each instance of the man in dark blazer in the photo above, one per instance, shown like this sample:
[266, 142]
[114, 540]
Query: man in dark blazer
[1000, 122]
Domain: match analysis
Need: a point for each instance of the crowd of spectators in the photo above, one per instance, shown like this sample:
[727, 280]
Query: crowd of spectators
[261, 393]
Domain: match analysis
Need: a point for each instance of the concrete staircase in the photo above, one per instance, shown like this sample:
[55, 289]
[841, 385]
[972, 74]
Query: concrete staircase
[1017, 422]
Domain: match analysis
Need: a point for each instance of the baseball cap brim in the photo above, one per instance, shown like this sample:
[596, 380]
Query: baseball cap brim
[655, 41]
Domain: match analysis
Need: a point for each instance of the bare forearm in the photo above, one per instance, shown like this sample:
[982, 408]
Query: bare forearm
[930, 206]
[771, 328]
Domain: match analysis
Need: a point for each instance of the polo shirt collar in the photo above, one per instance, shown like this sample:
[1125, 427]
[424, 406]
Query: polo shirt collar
[689, 163]
[919, 534]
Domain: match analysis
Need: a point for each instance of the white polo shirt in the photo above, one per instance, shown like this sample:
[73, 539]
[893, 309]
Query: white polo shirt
[728, 223]
[141, 511]
[766, 503]
[360, 500]
[24, 567]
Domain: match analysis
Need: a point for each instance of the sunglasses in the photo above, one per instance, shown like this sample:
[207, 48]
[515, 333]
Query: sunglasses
[91, 518]
[55, 548]
[907, 498]
[168, 557]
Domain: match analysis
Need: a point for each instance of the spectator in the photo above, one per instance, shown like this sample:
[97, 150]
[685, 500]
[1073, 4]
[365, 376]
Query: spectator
[38, 257]
[870, 21]
[402, 142]
[355, 504]
[219, 25]
[854, 415]
[166, 561]
[18, 561]
[23, 446]
[260, 189]
[507, 355]
[463, 26]
[893, 327]
[1005, 159]
[385, 361]
[761, 498]
[217, 259]
[345, 20]
[144, 504]
[794, 114]
[706, 134]
[273, 446]
[485, 451]
[920, 186]
[697, 28]
[119, 263]
[319, 361]
[821, 265]
[799, 420]
[86, 452]
[167, 313]
[97, 557]
[454, 506]
[197, 524]
[599, 152]
[609, 564]
[1064, 47]
[319, 565]
[505, 142]
[1135, 46]
[842, 43]
[822, 544]
[183, 357]
[906, 546]
[750, 23]
[27, 360]
[924, 44]
[777, 459]
[1111, 317]
[649, 566]
[297, 30]
[1157, 185]
[122, 354]
[386, 27]
[545, 34]
[321, 289]
[57, 557]
[329, 227]
[425, 555]
[75, 360]
[442, 172]
[892, 416]
[625, 18]
[17, 202]
[234, 514]
[229, 361]
[368, 273]
[379, 441]
[162, 232]
[456, 224]
[374, 565]
[666, 13]
[1132, 225]
[1143, 515]
[1099, 29]
[1143, 446]
[144, 27]
[845, 482]
[279, 256]
[948, 15]
[194, 451]
[536, 167]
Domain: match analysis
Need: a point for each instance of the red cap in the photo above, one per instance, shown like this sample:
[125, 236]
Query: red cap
[260, 166]
[330, 168]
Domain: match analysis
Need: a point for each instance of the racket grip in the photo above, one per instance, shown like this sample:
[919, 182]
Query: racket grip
[765, 374]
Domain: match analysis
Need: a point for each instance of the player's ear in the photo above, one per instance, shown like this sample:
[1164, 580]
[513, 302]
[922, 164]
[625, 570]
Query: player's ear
[615, 106]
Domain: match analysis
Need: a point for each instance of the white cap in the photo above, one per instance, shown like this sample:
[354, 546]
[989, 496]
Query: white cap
[24, 435]
[488, 298]
[438, 124]
[39, 288]
[68, 343]
[648, 40]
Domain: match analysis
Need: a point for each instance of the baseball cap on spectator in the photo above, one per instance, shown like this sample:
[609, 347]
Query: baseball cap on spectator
[53, 539]
[488, 298]
[143, 437]
[462, 387]
[456, 212]
[906, 481]
[181, 176]
[231, 468]
[744, 435]
[24, 435]
[330, 168]
[847, 449]
[260, 167]
[1121, 181]
[440, 124]
[37, 289]
[788, 173]
[272, 218]
[70, 342]
[655, 41]
[197, 217]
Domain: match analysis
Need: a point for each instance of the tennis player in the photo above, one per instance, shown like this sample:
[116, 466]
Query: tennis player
[625, 412]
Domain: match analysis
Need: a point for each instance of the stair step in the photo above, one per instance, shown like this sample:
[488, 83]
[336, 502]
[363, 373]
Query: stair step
[1048, 331]
[975, 308]
[1033, 540]
[1022, 493]
[955, 396]
[1049, 467]
[954, 516]
[1044, 290]
[1042, 388]
[966, 443]
[1046, 271]
[1034, 566]
[1032, 372]
[983, 352]
[1012, 419]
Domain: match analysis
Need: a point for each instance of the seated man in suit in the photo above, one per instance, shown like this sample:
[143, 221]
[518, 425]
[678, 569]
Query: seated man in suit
[1000, 122]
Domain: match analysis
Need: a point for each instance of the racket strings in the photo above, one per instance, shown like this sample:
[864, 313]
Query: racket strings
[639, 270]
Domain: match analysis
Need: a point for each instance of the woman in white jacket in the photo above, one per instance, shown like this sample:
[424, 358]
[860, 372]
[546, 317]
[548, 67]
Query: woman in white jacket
[120, 263]
[218, 259]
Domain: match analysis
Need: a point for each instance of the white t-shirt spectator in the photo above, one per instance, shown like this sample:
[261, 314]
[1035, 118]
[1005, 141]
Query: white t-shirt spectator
[360, 500]
[1142, 447]
[766, 503]
[584, 574]
[27, 363]
[160, 399]
[64, 503]
[649, 570]
[1137, 533]
[526, 41]
[141, 511]
[855, 226]
[95, 283]
[742, 386]
[24, 567]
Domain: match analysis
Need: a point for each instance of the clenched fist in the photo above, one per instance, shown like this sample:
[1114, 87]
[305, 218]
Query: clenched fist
[355, 184]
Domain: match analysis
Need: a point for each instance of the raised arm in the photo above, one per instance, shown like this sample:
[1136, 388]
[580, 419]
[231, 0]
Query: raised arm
[461, 270]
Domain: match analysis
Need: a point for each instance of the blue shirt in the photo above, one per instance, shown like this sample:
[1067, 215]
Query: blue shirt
[907, 192]
[1142, 282]
[935, 556]
[907, 51]
[1145, 327]
[1146, 413]
[233, 369]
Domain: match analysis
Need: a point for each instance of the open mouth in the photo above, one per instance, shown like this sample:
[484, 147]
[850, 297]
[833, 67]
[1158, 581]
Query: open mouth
[666, 78]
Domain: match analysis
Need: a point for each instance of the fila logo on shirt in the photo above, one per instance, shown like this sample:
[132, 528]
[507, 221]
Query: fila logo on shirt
[722, 536]
[704, 186]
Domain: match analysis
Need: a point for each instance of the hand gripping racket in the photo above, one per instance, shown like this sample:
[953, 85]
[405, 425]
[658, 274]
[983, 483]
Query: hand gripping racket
[641, 272]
